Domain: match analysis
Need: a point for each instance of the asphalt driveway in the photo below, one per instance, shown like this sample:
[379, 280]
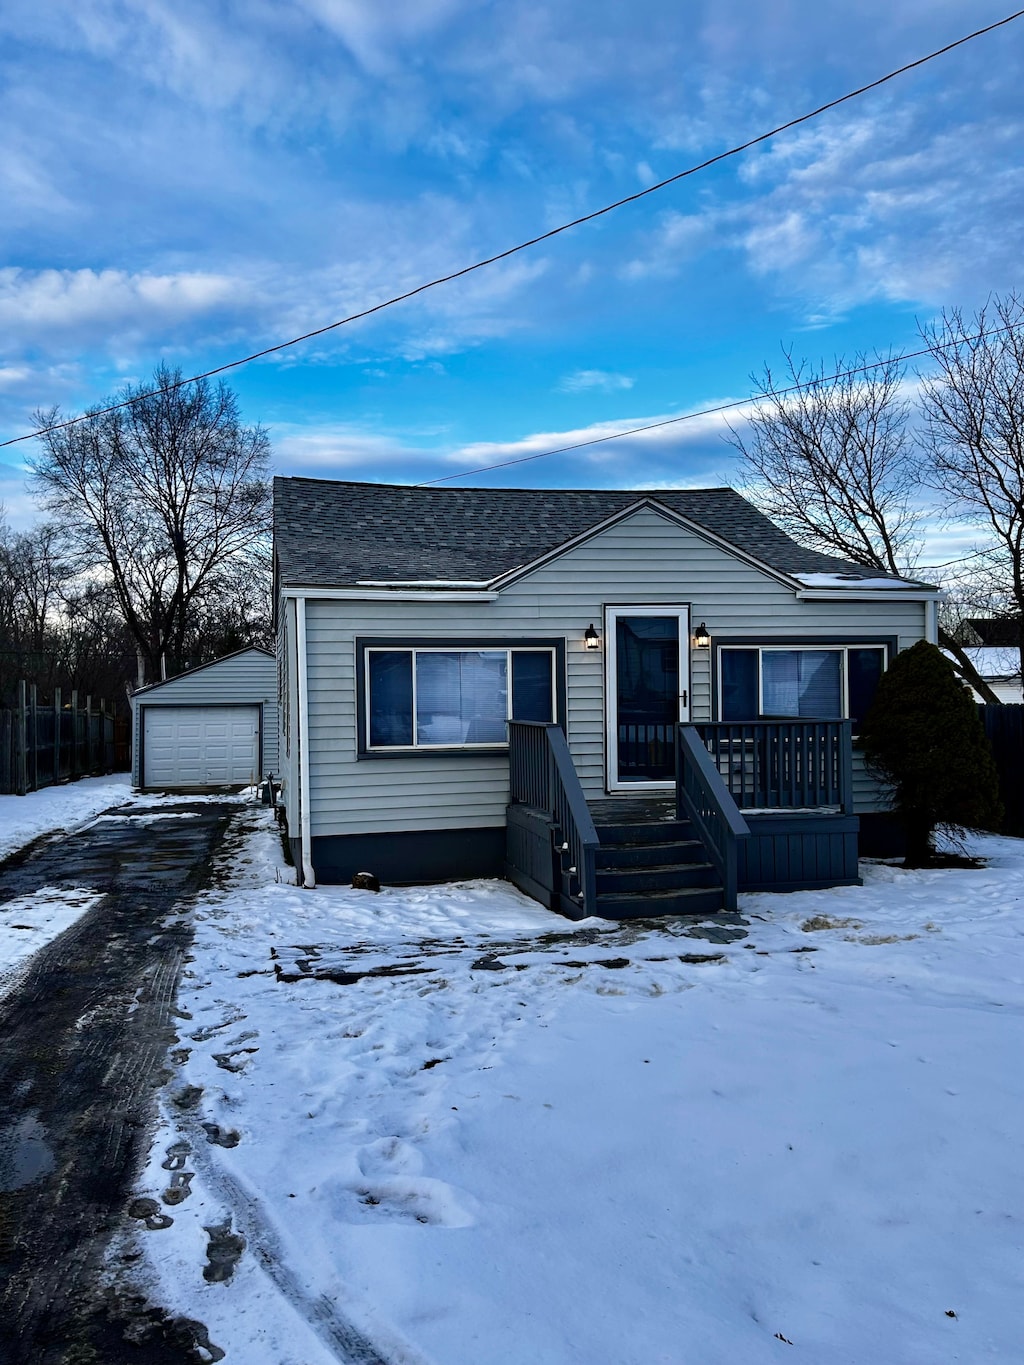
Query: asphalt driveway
[83, 1045]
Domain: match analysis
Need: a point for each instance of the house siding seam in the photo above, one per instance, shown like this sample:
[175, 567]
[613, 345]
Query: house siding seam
[644, 559]
[244, 679]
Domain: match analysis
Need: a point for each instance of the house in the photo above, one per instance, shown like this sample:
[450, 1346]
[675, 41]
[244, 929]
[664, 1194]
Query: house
[212, 726]
[992, 645]
[481, 682]
[999, 665]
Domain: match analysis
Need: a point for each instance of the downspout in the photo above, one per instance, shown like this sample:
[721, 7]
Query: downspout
[305, 823]
[931, 621]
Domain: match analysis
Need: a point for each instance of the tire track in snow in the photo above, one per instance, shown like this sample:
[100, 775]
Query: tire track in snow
[347, 1343]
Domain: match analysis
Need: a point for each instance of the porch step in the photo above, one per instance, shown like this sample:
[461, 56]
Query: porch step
[637, 832]
[695, 900]
[650, 862]
[649, 855]
[676, 876]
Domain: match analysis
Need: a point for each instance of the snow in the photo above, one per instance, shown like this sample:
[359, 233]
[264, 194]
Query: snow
[546, 1142]
[56, 809]
[27, 923]
[423, 583]
[992, 661]
[843, 580]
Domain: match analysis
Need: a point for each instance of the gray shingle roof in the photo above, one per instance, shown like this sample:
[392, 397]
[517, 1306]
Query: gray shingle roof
[335, 534]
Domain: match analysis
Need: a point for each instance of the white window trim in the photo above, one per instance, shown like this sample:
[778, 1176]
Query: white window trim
[844, 672]
[488, 745]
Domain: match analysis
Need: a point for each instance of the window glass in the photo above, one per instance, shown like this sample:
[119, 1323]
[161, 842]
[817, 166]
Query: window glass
[531, 685]
[865, 667]
[802, 682]
[390, 677]
[461, 696]
[739, 684]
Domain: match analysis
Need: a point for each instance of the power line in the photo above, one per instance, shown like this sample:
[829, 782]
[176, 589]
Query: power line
[975, 554]
[721, 407]
[532, 241]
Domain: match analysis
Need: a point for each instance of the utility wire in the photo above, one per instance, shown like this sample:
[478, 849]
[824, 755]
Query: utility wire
[532, 241]
[721, 407]
[975, 554]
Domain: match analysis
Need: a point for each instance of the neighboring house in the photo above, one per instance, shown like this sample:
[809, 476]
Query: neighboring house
[998, 632]
[423, 632]
[999, 665]
[212, 726]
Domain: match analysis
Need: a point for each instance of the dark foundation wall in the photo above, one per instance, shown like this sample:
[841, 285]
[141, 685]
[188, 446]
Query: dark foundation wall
[412, 857]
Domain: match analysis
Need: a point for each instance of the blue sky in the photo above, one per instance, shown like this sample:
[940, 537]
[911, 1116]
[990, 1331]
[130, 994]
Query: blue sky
[192, 179]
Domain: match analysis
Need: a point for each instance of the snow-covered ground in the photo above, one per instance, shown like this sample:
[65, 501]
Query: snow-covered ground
[28, 923]
[442, 1125]
[24, 818]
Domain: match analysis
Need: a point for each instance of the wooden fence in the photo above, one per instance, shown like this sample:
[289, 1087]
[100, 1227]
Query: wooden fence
[43, 742]
[1004, 726]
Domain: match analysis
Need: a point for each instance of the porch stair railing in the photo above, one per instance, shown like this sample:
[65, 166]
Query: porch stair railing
[542, 775]
[703, 798]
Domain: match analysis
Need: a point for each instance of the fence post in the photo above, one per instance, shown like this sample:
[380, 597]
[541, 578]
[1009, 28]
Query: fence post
[34, 705]
[88, 732]
[104, 765]
[56, 735]
[75, 765]
[21, 780]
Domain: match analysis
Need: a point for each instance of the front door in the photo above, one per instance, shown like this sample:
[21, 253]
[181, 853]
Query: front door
[648, 691]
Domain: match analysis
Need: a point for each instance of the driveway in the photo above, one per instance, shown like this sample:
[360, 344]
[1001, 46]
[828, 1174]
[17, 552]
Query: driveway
[83, 1044]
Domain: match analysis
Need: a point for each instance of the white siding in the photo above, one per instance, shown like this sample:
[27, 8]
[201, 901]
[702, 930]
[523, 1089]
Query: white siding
[644, 559]
[246, 678]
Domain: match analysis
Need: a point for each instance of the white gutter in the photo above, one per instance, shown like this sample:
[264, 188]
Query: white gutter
[306, 839]
[385, 595]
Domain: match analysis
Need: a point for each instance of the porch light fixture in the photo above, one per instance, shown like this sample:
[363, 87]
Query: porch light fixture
[591, 639]
[702, 637]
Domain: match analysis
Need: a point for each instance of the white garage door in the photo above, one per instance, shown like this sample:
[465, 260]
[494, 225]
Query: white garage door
[201, 746]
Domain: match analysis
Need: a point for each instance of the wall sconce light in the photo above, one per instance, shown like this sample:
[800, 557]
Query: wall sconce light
[702, 637]
[591, 639]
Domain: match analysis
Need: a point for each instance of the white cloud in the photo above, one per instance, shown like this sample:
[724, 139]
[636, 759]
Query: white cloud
[48, 303]
[582, 380]
[877, 207]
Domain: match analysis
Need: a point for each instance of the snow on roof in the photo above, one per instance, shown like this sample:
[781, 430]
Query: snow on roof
[994, 662]
[853, 580]
[422, 583]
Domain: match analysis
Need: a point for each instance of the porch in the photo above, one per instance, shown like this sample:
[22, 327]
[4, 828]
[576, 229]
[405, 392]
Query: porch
[765, 805]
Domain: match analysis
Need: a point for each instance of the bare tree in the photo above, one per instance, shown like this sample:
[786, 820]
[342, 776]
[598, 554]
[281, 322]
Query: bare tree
[831, 459]
[973, 435]
[33, 575]
[158, 499]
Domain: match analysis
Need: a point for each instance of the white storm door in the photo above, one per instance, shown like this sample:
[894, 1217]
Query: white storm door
[647, 692]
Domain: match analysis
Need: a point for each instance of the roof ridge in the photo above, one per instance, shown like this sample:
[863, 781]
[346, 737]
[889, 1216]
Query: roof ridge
[480, 488]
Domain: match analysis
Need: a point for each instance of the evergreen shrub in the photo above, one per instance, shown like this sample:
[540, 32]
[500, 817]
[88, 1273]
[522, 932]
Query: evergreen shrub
[925, 739]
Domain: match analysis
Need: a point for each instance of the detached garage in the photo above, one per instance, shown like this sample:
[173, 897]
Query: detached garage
[214, 726]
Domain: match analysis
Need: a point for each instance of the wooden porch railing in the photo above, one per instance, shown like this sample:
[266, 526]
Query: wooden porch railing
[542, 775]
[779, 765]
[703, 798]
